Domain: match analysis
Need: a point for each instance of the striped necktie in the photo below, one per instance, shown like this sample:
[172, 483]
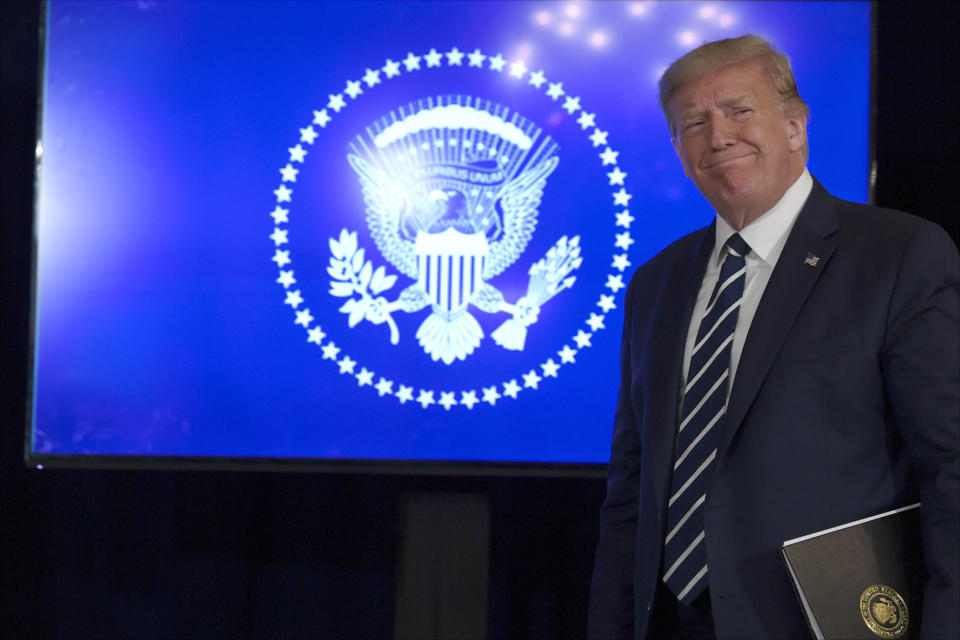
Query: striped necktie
[704, 403]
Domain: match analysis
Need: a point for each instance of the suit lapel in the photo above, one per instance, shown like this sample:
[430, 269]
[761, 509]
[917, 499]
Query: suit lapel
[666, 357]
[789, 285]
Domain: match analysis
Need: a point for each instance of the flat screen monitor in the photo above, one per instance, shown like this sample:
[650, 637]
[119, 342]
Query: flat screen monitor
[379, 235]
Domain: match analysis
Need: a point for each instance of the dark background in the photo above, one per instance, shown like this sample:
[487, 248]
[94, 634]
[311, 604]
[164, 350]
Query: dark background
[161, 554]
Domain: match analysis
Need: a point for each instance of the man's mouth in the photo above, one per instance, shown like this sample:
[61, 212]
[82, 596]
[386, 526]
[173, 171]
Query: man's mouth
[716, 162]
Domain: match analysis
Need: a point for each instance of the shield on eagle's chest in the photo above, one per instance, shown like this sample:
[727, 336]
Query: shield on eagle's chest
[450, 266]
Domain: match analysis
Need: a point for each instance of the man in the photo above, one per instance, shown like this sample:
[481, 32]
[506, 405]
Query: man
[791, 367]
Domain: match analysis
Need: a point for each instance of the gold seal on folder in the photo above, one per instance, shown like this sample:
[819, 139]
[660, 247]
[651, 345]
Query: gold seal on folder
[884, 611]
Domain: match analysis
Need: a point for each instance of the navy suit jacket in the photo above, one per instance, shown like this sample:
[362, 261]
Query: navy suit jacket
[845, 405]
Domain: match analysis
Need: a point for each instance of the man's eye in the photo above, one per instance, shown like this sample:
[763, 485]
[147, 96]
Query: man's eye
[744, 110]
[693, 126]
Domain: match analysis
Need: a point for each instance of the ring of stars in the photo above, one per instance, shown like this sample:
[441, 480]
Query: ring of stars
[356, 88]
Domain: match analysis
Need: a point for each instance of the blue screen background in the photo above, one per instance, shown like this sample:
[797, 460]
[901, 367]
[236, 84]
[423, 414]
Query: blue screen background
[161, 328]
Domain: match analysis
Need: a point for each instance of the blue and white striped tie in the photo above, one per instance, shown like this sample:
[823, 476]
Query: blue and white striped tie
[704, 403]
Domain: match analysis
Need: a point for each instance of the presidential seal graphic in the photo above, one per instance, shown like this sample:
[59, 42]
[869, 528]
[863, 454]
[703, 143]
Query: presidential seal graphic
[451, 189]
[884, 611]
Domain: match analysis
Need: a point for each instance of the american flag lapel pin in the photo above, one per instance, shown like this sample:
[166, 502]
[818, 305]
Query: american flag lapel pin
[811, 260]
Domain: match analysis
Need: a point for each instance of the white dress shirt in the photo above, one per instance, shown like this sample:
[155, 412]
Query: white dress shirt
[766, 236]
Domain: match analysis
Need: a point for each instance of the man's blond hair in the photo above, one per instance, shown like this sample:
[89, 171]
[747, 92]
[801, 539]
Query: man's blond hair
[712, 56]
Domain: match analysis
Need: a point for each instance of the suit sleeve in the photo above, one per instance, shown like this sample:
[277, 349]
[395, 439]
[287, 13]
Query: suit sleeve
[611, 612]
[921, 369]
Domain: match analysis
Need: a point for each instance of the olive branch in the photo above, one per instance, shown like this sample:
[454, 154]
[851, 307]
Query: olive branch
[354, 276]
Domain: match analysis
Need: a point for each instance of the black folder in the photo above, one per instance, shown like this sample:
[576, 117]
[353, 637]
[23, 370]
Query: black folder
[863, 579]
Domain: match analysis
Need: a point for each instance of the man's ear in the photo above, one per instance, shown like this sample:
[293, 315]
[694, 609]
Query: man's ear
[796, 131]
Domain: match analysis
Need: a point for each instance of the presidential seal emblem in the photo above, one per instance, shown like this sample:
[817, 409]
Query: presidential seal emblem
[884, 611]
[450, 186]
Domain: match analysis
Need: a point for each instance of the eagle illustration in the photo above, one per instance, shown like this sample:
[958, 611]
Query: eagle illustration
[885, 611]
[452, 187]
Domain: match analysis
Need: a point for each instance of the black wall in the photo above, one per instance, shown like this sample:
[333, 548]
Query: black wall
[161, 554]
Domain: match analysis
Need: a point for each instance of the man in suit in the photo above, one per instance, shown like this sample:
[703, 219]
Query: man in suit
[789, 368]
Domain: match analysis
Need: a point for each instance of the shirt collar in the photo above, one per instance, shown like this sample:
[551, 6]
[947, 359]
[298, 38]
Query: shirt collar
[766, 235]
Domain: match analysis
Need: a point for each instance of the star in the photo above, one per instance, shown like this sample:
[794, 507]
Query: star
[598, 137]
[353, 90]
[620, 262]
[282, 258]
[550, 368]
[330, 351]
[496, 63]
[595, 322]
[404, 393]
[468, 398]
[582, 339]
[426, 397]
[336, 101]
[286, 278]
[476, 58]
[622, 198]
[566, 354]
[364, 377]
[293, 298]
[537, 79]
[280, 215]
[585, 120]
[297, 153]
[384, 387]
[304, 318]
[391, 68]
[609, 156]
[531, 379]
[321, 118]
[308, 135]
[455, 58]
[616, 176]
[606, 303]
[316, 335]
[433, 59]
[614, 282]
[411, 62]
[289, 173]
[624, 219]
[571, 104]
[347, 365]
[517, 69]
[371, 77]
[511, 388]
[490, 395]
[446, 398]
[555, 90]
[624, 240]
[283, 193]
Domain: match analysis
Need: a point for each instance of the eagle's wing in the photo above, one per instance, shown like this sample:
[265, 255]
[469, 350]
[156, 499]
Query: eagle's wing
[519, 201]
[385, 203]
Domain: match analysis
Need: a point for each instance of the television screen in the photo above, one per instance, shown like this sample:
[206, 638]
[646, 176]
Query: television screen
[387, 233]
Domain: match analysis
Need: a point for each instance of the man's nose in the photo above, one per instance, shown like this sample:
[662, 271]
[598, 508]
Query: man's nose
[721, 134]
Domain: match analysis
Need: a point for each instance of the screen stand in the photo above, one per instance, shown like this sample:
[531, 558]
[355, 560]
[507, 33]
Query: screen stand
[441, 582]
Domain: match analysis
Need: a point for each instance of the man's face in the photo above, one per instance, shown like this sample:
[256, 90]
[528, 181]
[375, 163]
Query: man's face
[736, 143]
